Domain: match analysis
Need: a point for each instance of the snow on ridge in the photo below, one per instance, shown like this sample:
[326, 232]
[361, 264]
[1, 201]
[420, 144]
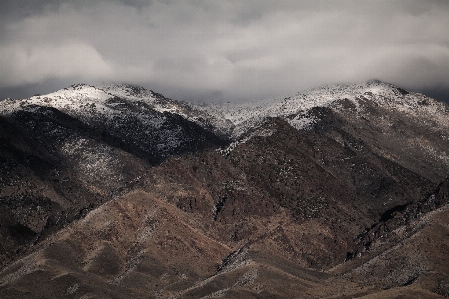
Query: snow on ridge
[80, 100]
[134, 111]
[127, 91]
[72, 98]
[295, 109]
[251, 113]
[229, 119]
[156, 101]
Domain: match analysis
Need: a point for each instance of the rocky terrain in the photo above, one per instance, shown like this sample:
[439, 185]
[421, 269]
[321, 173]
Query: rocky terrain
[115, 191]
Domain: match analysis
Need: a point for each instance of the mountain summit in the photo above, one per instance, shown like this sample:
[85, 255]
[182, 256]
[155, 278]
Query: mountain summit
[114, 191]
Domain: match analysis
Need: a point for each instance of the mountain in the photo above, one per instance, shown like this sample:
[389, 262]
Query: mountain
[114, 191]
[65, 153]
[391, 118]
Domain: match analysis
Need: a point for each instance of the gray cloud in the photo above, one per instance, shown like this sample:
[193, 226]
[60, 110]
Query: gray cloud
[223, 50]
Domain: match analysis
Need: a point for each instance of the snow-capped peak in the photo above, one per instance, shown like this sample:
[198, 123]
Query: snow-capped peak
[230, 119]
[245, 115]
[76, 98]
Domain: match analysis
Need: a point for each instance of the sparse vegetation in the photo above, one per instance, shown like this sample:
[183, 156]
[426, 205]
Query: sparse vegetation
[117, 192]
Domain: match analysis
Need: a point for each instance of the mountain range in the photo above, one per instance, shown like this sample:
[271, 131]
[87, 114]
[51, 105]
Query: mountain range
[115, 191]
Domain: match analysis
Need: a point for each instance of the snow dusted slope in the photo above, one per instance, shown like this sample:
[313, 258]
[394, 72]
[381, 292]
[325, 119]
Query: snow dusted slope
[296, 109]
[118, 105]
[393, 98]
[405, 127]
[139, 120]
[229, 119]
[408, 128]
[83, 100]
[249, 114]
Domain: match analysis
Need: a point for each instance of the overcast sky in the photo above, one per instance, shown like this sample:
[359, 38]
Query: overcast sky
[223, 50]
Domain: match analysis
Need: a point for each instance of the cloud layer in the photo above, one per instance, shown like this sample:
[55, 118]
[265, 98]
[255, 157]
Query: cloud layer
[227, 49]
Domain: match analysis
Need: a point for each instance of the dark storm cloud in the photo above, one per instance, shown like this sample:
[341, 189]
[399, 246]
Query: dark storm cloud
[227, 50]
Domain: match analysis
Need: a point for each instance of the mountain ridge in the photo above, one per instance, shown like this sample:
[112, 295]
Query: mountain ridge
[285, 190]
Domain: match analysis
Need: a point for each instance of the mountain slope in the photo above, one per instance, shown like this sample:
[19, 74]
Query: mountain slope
[126, 116]
[66, 153]
[54, 170]
[134, 246]
[103, 187]
[406, 127]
